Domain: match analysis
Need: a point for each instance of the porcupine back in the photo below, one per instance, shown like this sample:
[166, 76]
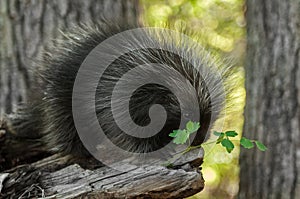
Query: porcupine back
[62, 62]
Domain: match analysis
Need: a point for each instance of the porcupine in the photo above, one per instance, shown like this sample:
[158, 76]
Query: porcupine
[49, 116]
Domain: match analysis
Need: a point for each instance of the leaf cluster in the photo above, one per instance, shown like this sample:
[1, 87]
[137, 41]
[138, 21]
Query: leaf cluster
[181, 136]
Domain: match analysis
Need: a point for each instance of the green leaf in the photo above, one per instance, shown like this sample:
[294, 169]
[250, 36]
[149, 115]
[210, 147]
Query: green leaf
[246, 143]
[173, 134]
[228, 145]
[220, 138]
[218, 133]
[181, 137]
[231, 133]
[261, 146]
[192, 127]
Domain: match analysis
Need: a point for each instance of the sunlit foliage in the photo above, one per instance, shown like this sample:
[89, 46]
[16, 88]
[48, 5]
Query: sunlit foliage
[219, 26]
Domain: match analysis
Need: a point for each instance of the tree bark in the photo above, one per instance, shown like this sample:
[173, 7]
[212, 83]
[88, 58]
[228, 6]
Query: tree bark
[69, 177]
[272, 113]
[26, 26]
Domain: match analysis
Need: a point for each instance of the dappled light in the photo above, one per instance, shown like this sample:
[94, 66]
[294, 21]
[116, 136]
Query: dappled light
[219, 26]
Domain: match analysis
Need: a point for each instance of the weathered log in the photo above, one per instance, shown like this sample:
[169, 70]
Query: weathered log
[67, 177]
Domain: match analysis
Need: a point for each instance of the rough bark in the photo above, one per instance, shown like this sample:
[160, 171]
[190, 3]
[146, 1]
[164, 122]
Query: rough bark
[272, 112]
[66, 177]
[26, 26]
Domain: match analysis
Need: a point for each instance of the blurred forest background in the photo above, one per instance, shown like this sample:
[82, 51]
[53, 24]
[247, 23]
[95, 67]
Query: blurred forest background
[219, 26]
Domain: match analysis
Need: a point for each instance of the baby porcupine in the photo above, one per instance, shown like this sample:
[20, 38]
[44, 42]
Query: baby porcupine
[49, 117]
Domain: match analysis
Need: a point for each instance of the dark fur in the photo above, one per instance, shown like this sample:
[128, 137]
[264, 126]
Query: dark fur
[51, 115]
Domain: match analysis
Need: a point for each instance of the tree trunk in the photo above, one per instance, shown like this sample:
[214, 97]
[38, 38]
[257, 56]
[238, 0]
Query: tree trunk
[26, 26]
[272, 113]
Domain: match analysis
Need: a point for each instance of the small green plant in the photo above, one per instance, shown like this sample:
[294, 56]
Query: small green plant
[181, 136]
[224, 138]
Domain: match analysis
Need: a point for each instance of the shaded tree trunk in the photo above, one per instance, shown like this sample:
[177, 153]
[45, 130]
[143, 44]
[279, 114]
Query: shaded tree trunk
[26, 26]
[272, 112]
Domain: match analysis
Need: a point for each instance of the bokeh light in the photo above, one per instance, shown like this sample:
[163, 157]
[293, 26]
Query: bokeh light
[219, 26]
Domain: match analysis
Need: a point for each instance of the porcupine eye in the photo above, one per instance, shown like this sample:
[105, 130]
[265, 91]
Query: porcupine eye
[186, 115]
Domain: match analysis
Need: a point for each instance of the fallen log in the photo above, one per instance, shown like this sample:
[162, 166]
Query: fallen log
[60, 176]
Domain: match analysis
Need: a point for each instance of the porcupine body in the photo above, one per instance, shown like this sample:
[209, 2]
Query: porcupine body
[51, 114]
